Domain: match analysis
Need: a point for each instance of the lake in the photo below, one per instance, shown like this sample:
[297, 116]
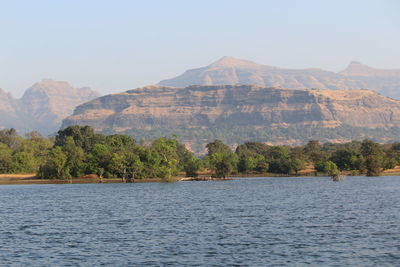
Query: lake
[243, 222]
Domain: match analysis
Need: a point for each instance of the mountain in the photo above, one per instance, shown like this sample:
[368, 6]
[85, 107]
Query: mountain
[43, 106]
[49, 102]
[201, 113]
[356, 69]
[229, 70]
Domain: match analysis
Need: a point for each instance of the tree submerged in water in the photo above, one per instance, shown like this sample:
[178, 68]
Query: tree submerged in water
[333, 171]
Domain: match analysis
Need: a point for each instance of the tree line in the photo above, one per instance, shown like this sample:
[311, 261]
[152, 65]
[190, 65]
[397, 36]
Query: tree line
[78, 150]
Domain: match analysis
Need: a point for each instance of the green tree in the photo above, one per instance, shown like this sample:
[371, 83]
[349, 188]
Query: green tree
[373, 155]
[5, 159]
[281, 161]
[75, 157]
[191, 165]
[223, 164]
[55, 166]
[134, 167]
[296, 164]
[247, 164]
[217, 147]
[262, 166]
[313, 151]
[331, 168]
[83, 136]
[166, 149]
[99, 158]
[117, 166]
[389, 163]
[345, 159]
[23, 162]
[120, 142]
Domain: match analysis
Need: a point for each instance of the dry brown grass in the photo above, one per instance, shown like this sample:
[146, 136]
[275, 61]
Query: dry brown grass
[30, 178]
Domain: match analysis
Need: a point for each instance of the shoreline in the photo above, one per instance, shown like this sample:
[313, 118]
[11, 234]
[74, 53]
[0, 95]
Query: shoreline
[30, 178]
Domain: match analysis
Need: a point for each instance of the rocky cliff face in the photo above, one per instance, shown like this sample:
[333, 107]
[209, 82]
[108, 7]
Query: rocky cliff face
[241, 105]
[229, 70]
[43, 106]
[49, 101]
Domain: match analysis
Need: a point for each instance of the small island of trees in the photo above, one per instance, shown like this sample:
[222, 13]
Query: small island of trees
[78, 151]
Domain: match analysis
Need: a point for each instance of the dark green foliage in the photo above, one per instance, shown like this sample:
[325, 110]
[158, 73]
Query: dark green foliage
[55, 166]
[250, 159]
[120, 141]
[313, 151]
[223, 164]
[188, 162]
[261, 158]
[75, 157]
[217, 147]
[373, 164]
[19, 155]
[5, 159]
[374, 157]
[23, 162]
[166, 150]
[330, 168]
[389, 162]
[346, 159]
[83, 136]
[80, 151]
[221, 159]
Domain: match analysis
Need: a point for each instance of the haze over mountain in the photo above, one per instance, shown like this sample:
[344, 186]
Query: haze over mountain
[199, 111]
[229, 70]
[42, 107]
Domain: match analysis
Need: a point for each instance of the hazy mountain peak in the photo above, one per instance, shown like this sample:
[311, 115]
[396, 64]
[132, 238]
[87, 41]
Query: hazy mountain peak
[226, 70]
[49, 101]
[50, 85]
[230, 70]
[231, 62]
[48, 81]
[355, 68]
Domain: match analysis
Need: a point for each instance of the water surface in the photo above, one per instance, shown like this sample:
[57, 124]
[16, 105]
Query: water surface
[244, 222]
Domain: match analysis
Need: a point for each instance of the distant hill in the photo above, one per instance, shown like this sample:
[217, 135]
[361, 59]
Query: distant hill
[238, 113]
[42, 107]
[229, 70]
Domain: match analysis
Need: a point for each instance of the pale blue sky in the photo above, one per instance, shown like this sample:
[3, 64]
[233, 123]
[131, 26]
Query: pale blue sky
[116, 45]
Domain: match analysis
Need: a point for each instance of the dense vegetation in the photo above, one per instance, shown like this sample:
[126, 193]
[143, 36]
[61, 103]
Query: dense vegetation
[78, 150]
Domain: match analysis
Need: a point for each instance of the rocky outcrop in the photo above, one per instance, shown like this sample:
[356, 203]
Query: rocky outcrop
[42, 107]
[158, 107]
[232, 71]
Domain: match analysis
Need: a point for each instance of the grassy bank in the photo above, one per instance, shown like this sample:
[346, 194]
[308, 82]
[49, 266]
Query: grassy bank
[30, 178]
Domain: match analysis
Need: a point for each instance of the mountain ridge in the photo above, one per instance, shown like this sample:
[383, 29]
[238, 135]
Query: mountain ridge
[229, 70]
[43, 106]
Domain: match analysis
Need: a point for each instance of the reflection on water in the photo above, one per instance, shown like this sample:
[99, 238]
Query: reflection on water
[245, 222]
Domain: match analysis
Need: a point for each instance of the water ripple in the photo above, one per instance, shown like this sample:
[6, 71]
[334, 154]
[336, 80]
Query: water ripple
[245, 222]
